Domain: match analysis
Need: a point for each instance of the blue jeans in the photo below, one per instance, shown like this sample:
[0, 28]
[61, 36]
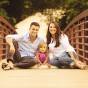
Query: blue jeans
[63, 60]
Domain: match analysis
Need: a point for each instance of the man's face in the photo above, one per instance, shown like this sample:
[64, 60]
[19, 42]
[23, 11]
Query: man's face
[34, 30]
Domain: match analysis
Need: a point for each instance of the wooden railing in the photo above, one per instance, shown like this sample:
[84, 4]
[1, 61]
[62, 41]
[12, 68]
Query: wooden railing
[5, 29]
[77, 31]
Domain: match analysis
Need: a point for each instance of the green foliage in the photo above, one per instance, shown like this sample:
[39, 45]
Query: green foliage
[3, 2]
[72, 9]
[3, 12]
[20, 9]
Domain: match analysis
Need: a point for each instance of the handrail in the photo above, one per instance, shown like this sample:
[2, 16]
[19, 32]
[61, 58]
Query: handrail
[5, 29]
[80, 16]
[77, 31]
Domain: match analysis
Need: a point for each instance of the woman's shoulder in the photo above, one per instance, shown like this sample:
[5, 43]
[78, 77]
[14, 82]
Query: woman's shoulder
[63, 37]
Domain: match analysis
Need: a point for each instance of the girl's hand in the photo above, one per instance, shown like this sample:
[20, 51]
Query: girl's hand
[40, 63]
[44, 63]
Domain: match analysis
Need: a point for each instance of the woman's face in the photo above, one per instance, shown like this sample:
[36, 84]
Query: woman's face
[52, 29]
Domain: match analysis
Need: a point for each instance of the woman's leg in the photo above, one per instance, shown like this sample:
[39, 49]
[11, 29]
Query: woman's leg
[54, 61]
[65, 60]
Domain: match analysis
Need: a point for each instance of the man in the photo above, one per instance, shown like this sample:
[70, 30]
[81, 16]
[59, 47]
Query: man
[22, 48]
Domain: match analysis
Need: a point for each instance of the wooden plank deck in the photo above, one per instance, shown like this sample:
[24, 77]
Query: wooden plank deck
[44, 78]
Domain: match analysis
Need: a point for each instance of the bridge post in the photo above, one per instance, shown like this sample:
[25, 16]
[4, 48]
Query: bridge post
[5, 29]
[77, 31]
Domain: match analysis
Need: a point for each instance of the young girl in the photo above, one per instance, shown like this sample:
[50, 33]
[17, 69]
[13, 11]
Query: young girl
[42, 55]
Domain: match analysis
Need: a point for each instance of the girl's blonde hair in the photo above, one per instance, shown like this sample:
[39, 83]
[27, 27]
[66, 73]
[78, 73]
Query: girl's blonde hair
[41, 44]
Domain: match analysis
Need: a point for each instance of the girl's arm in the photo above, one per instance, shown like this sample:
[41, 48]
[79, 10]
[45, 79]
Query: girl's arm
[46, 60]
[37, 57]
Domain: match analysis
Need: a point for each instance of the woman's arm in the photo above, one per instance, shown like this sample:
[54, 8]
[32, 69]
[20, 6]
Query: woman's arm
[64, 41]
[71, 55]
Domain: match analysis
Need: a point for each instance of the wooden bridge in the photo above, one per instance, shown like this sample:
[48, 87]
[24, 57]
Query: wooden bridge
[5, 29]
[77, 31]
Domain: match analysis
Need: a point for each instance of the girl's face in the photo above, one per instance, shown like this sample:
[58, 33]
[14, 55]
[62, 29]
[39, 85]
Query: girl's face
[52, 29]
[43, 49]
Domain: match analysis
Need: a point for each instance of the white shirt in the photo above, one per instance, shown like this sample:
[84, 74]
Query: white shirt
[64, 46]
[26, 48]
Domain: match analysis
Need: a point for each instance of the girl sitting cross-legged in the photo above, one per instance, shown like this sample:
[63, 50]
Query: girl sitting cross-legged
[42, 55]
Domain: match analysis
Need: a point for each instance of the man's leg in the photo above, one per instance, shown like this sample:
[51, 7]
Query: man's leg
[27, 62]
[12, 58]
[16, 57]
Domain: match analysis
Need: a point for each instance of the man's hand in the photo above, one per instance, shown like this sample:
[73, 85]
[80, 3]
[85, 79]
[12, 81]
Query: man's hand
[12, 49]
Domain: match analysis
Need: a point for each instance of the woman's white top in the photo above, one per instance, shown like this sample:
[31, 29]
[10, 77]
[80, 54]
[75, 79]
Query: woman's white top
[64, 46]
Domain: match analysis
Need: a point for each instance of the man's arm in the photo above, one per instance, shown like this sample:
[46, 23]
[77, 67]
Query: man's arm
[9, 41]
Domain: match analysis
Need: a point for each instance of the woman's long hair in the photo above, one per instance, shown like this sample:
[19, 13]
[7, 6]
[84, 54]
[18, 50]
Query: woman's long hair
[57, 35]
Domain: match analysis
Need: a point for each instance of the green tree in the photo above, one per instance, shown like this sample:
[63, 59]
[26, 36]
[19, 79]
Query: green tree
[3, 12]
[17, 10]
[72, 8]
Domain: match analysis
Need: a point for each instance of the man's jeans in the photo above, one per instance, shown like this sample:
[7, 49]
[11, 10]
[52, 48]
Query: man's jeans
[63, 60]
[21, 62]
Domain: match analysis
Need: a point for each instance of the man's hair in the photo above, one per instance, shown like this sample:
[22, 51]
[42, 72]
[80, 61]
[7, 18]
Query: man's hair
[34, 23]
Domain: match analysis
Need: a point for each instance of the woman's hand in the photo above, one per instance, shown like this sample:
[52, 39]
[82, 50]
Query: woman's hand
[72, 58]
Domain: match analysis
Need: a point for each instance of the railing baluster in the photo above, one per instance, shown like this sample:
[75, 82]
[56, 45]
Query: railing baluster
[5, 29]
[77, 31]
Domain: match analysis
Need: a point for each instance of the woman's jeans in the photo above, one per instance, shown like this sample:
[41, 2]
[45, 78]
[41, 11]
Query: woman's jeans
[63, 60]
[21, 62]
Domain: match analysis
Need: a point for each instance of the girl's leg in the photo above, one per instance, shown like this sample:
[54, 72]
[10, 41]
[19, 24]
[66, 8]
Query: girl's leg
[48, 64]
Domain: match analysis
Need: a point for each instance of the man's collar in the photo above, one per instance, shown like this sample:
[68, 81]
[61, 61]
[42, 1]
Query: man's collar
[28, 35]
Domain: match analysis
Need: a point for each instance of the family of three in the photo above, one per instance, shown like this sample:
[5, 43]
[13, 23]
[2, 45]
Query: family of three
[28, 49]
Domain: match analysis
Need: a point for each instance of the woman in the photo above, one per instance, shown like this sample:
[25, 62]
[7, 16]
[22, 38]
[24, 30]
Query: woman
[61, 52]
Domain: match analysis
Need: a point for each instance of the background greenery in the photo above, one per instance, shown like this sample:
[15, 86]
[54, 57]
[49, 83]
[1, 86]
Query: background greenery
[16, 10]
